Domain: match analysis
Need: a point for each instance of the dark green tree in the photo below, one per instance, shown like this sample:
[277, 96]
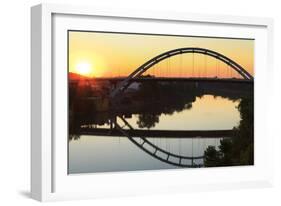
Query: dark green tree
[238, 150]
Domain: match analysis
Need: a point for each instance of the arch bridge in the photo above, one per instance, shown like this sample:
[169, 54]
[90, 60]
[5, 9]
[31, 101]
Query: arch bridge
[124, 84]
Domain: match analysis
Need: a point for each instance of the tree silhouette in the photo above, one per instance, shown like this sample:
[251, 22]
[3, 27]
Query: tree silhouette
[147, 120]
[238, 150]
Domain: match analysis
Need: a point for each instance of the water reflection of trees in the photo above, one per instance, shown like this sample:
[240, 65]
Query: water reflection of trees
[238, 150]
[157, 99]
[148, 102]
[147, 120]
[153, 99]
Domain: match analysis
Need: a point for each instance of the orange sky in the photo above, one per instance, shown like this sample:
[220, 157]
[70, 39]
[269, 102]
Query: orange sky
[100, 54]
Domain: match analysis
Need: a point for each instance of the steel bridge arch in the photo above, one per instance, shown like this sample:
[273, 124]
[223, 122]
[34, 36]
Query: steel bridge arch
[157, 150]
[144, 67]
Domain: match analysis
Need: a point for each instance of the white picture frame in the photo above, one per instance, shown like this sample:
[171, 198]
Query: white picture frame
[49, 181]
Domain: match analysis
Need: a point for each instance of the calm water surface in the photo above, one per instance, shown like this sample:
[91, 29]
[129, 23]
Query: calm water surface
[90, 154]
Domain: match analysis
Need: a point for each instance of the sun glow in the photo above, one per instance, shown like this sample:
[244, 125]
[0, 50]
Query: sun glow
[114, 55]
[84, 68]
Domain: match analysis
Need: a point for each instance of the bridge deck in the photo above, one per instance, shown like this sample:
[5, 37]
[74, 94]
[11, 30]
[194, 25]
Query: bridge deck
[158, 133]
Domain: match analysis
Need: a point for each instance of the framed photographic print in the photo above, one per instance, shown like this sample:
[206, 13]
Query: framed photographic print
[137, 102]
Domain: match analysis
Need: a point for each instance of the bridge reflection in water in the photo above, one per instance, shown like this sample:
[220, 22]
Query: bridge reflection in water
[175, 132]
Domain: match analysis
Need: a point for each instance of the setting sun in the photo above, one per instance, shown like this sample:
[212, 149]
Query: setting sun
[84, 68]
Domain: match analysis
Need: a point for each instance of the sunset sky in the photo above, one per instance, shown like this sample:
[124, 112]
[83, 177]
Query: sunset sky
[98, 54]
